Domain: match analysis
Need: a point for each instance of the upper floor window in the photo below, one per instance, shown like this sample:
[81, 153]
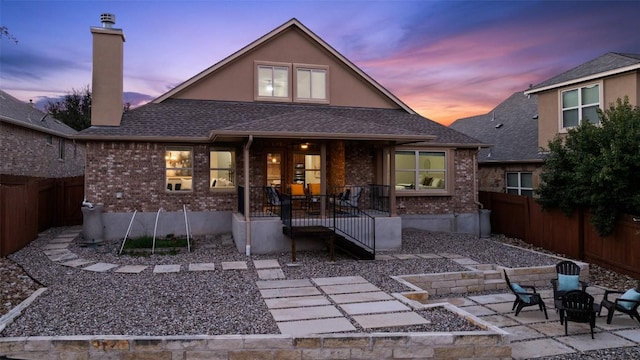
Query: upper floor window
[520, 183]
[311, 84]
[61, 149]
[421, 170]
[222, 169]
[580, 105]
[273, 82]
[178, 168]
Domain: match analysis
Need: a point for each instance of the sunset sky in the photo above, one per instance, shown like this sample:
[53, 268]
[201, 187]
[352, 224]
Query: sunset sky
[445, 59]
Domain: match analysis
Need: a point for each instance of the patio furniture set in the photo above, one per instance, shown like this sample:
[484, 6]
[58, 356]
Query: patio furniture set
[572, 301]
[310, 198]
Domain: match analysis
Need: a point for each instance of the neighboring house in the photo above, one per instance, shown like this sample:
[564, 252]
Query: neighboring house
[572, 97]
[514, 162]
[34, 144]
[285, 109]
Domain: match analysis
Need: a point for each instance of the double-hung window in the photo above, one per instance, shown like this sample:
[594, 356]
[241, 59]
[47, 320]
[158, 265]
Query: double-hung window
[178, 168]
[520, 183]
[419, 170]
[273, 82]
[579, 105]
[222, 164]
[61, 149]
[311, 83]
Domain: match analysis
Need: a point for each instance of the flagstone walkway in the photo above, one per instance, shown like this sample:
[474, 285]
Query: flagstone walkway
[328, 305]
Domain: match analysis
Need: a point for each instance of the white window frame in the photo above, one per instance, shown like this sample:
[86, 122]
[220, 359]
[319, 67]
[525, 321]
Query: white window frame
[403, 189]
[311, 69]
[579, 107]
[272, 65]
[177, 177]
[231, 171]
[519, 188]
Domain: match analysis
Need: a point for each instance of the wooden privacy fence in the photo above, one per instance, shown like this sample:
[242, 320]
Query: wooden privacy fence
[521, 217]
[31, 205]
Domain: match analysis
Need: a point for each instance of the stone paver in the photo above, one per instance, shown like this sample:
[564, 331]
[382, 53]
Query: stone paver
[530, 317]
[617, 323]
[465, 261]
[288, 292]
[429, 256]
[131, 269]
[538, 348]
[266, 264]
[271, 274]
[316, 326]
[234, 265]
[63, 257]
[385, 257]
[349, 288]
[305, 313]
[297, 301]
[405, 256]
[374, 307]
[478, 310]
[202, 267]
[56, 246]
[57, 252]
[163, 269]
[450, 256]
[390, 320]
[77, 262]
[600, 341]
[522, 332]
[340, 280]
[499, 320]
[61, 240]
[277, 284]
[633, 335]
[459, 301]
[494, 298]
[360, 297]
[100, 267]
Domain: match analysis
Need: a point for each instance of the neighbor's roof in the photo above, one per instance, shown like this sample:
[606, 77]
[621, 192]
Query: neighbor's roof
[605, 65]
[182, 120]
[511, 127]
[19, 113]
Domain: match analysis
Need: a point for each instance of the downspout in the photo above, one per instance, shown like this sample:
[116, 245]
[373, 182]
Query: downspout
[247, 193]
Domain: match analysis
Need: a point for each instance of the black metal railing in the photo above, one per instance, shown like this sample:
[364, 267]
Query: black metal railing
[379, 197]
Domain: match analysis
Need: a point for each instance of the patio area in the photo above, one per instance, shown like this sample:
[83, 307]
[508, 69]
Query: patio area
[215, 291]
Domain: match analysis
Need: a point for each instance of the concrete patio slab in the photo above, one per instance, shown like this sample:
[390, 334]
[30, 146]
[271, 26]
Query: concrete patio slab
[63, 257]
[601, 341]
[71, 234]
[298, 301]
[100, 267]
[494, 298]
[234, 265]
[271, 274]
[465, 261]
[499, 320]
[289, 292]
[554, 329]
[61, 240]
[633, 335]
[374, 307]
[360, 297]
[459, 301]
[77, 262]
[277, 284]
[522, 332]
[56, 252]
[618, 322]
[450, 255]
[163, 269]
[266, 264]
[316, 326]
[305, 313]
[478, 310]
[349, 288]
[385, 257]
[538, 348]
[339, 280]
[390, 320]
[131, 269]
[202, 267]
[531, 317]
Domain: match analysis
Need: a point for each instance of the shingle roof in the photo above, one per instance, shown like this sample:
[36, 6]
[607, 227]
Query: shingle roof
[603, 64]
[511, 127]
[200, 120]
[20, 113]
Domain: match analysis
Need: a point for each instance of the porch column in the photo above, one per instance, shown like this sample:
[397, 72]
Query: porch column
[392, 180]
[247, 194]
[323, 177]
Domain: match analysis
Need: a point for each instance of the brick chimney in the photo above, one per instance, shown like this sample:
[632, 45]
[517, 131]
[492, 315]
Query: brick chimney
[106, 98]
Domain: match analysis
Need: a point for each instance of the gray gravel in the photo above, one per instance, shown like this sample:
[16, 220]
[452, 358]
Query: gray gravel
[218, 302]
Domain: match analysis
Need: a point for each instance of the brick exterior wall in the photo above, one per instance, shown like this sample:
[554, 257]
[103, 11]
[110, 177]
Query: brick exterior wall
[26, 152]
[137, 170]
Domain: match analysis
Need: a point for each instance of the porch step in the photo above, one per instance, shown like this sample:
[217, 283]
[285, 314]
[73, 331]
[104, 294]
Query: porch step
[324, 234]
[352, 249]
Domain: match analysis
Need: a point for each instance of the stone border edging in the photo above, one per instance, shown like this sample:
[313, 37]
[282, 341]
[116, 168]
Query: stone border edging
[7, 318]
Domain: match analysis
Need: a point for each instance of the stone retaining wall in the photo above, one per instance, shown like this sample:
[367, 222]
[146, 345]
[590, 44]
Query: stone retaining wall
[456, 345]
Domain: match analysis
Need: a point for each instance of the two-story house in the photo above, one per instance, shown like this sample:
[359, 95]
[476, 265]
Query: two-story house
[286, 112]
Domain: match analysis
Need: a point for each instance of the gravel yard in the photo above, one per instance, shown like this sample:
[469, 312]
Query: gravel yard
[217, 302]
